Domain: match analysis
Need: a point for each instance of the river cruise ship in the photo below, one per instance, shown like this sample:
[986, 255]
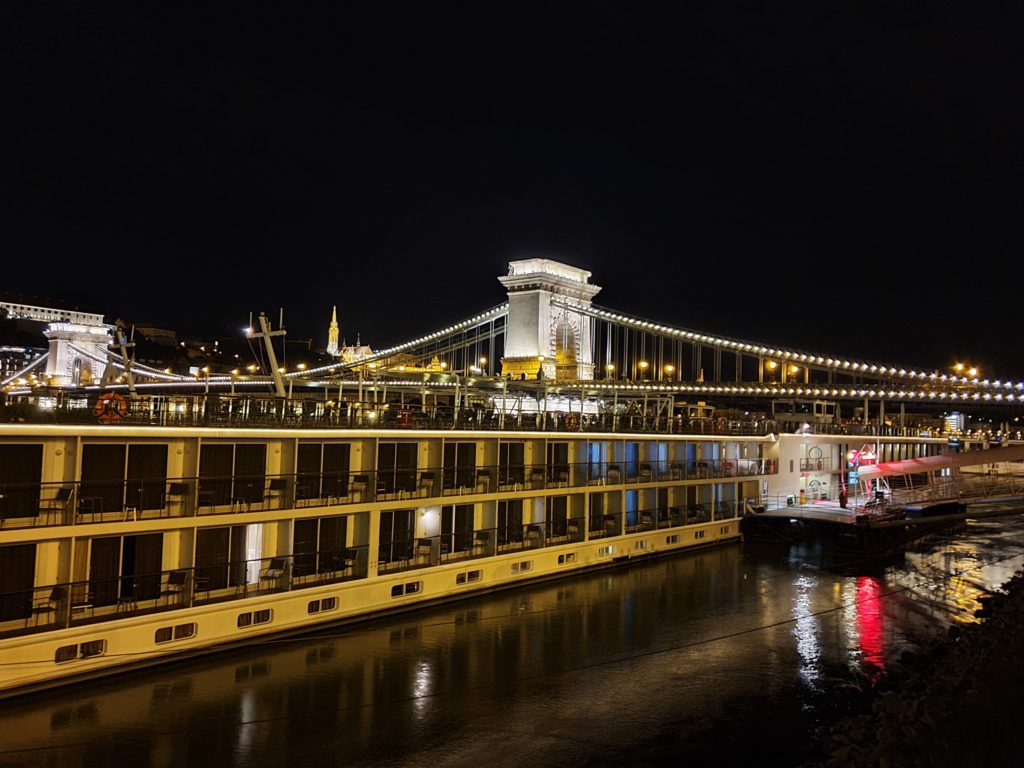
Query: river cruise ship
[124, 544]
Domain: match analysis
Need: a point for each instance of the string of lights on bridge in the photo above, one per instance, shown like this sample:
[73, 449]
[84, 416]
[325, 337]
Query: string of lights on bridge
[789, 354]
[784, 355]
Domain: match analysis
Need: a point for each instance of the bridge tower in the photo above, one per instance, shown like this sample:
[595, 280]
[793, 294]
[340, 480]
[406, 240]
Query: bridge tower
[66, 365]
[545, 334]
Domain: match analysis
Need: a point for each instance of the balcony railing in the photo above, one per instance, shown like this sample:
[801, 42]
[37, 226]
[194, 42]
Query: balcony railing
[26, 505]
[78, 603]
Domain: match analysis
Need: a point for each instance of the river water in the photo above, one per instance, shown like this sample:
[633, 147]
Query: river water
[706, 657]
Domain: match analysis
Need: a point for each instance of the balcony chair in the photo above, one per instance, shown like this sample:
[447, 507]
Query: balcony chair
[175, 585]
[274, 571]
[360, 484]
[175, 493]
[51, 604]
[59, 504]
[276, 489]
[425, 486]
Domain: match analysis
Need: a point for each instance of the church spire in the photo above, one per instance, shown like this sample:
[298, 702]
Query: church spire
[332, 333]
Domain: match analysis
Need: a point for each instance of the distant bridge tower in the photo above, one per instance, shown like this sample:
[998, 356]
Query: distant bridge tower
[332, 334]
[72, 349]
[543, 332]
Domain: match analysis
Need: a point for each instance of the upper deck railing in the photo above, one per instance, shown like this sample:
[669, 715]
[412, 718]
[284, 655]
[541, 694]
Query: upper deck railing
[32, 505]
[633, 416]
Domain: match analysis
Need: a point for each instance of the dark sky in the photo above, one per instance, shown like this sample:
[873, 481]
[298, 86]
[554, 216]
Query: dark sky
[843, 180]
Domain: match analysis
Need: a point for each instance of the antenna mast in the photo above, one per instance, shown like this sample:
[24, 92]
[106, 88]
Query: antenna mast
[127, 361]
[267, 335]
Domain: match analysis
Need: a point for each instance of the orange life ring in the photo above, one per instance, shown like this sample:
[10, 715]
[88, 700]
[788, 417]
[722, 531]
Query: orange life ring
[571, 422]
[819, 465]
[111, 407]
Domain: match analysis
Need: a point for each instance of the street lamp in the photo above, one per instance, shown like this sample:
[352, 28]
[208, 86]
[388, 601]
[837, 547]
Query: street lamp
[966, 369]
[643, 365]
[609, 370]
[669, 370]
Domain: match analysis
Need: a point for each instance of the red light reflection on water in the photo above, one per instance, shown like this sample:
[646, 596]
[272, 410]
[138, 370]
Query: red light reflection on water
[870, 627]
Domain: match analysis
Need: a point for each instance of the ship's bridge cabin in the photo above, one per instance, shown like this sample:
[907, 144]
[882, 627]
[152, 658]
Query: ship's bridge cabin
[815, 413]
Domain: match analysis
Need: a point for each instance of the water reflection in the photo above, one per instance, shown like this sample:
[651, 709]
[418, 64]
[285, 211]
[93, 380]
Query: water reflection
[601, 669]
[805, 630]
[870, 626]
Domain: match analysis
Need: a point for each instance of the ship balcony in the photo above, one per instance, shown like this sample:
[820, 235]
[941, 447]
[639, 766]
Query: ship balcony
[77, 603]
[76, 503]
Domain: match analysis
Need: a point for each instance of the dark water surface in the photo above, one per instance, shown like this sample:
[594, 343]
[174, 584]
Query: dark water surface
[718, 657]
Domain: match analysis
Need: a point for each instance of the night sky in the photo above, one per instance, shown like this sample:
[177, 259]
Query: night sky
[847, 181]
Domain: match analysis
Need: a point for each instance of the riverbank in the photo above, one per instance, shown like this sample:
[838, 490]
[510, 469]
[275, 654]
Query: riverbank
[956, 703]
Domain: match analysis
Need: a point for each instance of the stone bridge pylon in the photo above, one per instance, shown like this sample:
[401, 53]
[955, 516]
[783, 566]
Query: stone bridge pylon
[547, 335]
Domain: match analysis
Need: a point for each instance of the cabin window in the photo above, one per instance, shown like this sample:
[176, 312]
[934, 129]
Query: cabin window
[469, 576]
[568, 557]
[65, 653]
[116, 476]
[511, 470]
[510, 521]
[673, 539]
[395, 540]
[605, 551]
[456, 528]
[558, 463]
[522, 567]
[396, 467]
[232, 474]
[93, 648]
[322, 470]
[596, 522]
[319, 606]
[459, 466]
[632, 507]
[410, 588]
[699, 534]
[17, 579]
[125, 567]
[221, 557]
[178, 632]
[21, 466]
[556, 511]
[319, 544]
